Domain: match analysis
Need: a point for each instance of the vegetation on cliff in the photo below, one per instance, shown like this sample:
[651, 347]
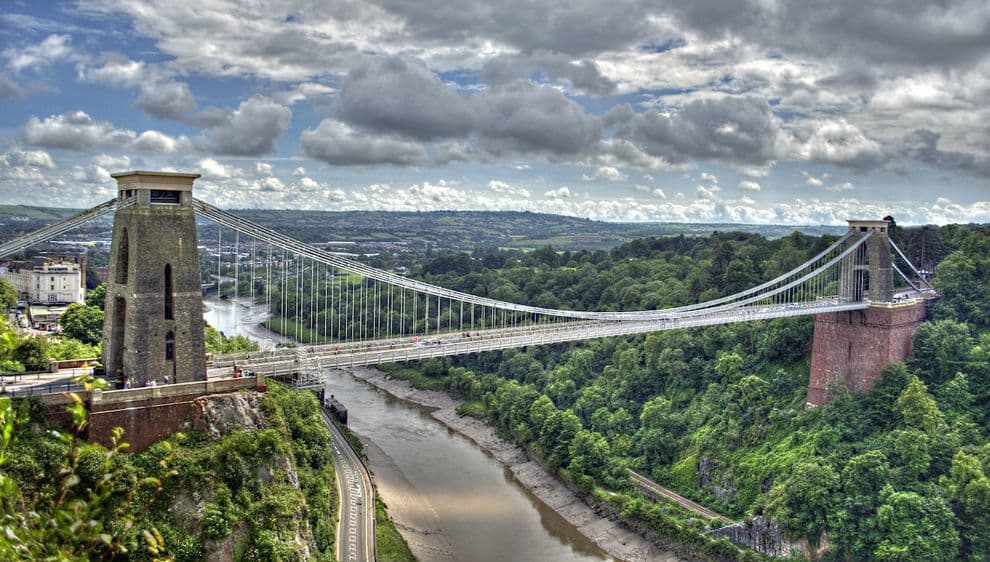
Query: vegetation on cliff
[266, 493]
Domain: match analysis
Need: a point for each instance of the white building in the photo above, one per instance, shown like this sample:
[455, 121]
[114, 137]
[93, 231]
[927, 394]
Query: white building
[49, 282]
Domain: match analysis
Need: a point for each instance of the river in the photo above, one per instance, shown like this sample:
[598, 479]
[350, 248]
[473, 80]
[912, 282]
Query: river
[458, 502]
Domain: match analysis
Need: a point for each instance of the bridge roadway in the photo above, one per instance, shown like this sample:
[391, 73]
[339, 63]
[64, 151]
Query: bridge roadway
[336, 356]
[356, 526]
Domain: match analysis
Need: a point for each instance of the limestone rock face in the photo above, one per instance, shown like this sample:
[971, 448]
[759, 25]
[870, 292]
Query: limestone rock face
[760, 534]
[715, 478]
[221, 414]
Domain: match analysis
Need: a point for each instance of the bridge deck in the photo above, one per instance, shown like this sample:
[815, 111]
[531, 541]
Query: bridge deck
[318, 357]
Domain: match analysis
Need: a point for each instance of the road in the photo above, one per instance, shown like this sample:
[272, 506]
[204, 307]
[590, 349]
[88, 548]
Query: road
[356, 527]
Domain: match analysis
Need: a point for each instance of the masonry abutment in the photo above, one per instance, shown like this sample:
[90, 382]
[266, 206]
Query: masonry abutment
[156, 288]
[850, 349]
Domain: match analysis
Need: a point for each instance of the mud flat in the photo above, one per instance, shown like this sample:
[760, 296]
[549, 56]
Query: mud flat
[608, 535]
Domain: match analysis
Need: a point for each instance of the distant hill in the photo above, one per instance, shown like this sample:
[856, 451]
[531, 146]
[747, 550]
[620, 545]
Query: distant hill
[460, 230]
[467, 230]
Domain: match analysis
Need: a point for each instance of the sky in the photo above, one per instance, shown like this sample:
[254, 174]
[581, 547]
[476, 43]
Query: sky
[752, 111]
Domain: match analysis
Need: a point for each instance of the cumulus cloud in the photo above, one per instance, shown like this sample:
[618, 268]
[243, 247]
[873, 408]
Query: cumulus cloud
[749, 185]
[167, 100]
[402, 96]
[729, 129]
[839, 142]
[502, 187]
[708, 192]
[581, 76]
[922, 144]
[25, 165]
[525, 118]
[214, 170]
[115, 70]
[337, 143]
[156, 141]
[116, 163]
[74, 130]
[399, 96]
[249, 130]
[53, 48]
[605, 173]
[559, 193]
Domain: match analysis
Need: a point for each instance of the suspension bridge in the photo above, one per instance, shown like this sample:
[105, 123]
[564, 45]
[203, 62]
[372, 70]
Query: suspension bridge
[348, 313]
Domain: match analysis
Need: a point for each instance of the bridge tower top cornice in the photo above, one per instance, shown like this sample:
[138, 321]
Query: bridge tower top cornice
[857, 225]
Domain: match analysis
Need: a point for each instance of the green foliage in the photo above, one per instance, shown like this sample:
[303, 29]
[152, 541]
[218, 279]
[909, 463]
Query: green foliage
[8, 294]
[97, 296]
[941, 349]
[805, 500]
[83, 501]
[390, 544]
[65, 348]
[961, 282]
[63, 499]
[83, 322]
[217, 342]
[915, 527]
[32, 352]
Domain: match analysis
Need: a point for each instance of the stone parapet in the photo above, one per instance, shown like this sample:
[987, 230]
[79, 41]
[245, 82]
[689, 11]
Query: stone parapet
[146, 414]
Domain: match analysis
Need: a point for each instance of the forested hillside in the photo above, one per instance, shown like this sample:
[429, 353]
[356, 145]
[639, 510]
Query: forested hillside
[718, 413]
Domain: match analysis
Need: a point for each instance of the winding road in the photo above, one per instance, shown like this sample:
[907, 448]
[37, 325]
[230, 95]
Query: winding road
[356, 527]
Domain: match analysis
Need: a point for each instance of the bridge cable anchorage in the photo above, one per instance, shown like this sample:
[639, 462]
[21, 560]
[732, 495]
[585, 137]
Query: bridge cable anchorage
[305, 250]
[57, 228]
[910, 265]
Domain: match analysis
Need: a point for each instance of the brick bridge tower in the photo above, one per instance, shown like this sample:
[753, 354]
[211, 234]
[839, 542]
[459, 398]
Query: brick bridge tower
[850, 348]
[154, 306]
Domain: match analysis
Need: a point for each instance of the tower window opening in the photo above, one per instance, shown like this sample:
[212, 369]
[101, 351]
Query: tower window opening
[123, 257]
[168, 292]
[170, 346]
[164, 197]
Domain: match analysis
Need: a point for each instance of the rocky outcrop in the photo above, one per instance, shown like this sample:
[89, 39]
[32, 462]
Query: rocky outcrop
[715, 479]
[760, 534]
[220, 414]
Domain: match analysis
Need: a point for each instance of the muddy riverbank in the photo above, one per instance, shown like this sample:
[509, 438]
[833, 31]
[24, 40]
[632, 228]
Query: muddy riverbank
[608, 535]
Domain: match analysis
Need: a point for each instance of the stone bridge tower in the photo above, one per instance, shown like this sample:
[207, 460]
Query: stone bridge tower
[851, 348]
[154, 306]
[867, 273]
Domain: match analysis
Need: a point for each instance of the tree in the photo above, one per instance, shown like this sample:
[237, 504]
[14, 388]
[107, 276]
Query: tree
[8, 294]
[589, 452]
[961, 279]
[969, 489]
[560, 429]
[940, 347]
[84, 323]
[916, 527]
[32, 352]
[66, 348]
[918, 409]
[854, 529]
[802, 504]
[913, 449]
[97, 296]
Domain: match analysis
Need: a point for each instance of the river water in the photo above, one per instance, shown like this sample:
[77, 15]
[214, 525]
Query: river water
[458, 502]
